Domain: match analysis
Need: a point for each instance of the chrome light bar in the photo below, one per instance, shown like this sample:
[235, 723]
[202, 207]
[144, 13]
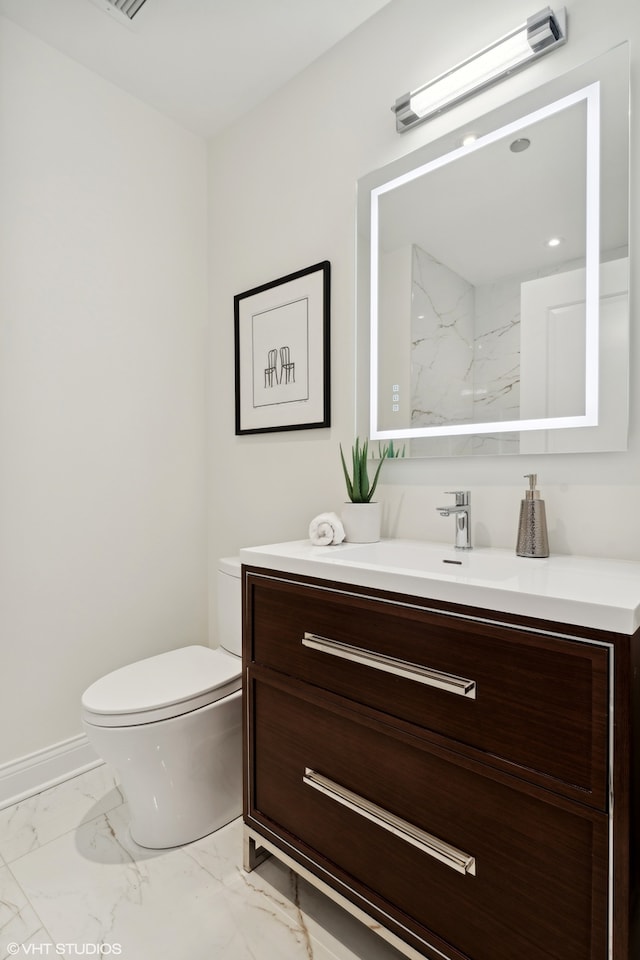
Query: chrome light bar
[542, 33]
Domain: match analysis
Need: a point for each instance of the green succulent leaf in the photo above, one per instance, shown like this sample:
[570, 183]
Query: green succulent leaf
[359, 488]
[346, 475]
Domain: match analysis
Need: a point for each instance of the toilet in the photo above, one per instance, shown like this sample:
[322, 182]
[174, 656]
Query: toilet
[171, 727]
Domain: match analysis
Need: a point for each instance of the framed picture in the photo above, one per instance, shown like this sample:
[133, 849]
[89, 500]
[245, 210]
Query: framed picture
[282, 353]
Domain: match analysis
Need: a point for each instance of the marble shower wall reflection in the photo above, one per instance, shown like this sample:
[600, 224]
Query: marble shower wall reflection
[442, 343]
[465, 355]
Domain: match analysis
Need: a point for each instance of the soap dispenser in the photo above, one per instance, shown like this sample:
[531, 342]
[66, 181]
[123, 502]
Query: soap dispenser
[532, 529]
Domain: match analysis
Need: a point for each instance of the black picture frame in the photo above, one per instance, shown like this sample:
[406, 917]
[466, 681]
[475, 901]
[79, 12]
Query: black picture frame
[282, 361]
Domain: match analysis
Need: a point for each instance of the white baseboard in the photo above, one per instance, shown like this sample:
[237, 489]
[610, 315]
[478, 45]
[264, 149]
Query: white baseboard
[37, 771]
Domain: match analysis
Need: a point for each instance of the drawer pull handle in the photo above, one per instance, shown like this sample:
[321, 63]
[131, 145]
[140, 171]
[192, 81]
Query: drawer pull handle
[438, 849]
[401, 668]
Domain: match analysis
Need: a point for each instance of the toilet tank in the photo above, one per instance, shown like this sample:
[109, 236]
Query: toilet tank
[230, 605]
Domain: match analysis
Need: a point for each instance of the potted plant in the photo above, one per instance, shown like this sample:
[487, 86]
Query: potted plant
[362, 516]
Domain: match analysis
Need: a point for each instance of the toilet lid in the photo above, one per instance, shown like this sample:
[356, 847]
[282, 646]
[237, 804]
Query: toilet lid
[162, 687]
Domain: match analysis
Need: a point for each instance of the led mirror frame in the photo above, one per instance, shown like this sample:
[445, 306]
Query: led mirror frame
[591, 96]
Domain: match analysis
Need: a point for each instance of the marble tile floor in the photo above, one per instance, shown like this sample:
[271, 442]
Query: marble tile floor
[73, 883]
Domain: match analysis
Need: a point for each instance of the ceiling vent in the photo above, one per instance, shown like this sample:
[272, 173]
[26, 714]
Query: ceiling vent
[122, 10]
[128, 7]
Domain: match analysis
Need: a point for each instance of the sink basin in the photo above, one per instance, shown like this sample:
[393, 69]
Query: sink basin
[599, 593]
[432, 559]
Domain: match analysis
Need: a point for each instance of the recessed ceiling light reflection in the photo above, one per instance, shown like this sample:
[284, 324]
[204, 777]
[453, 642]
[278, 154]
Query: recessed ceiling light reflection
[469, 139]
[553, 242]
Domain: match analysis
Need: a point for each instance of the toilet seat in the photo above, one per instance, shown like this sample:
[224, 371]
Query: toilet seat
[162, 687]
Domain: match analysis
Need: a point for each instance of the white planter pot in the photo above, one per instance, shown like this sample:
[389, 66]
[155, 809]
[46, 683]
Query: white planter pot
[362, 522]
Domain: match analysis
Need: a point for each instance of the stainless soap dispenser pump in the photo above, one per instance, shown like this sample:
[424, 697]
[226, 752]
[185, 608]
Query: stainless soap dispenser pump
[532, 528]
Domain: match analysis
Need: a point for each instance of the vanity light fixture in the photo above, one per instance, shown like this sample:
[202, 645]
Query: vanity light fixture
[541, 33]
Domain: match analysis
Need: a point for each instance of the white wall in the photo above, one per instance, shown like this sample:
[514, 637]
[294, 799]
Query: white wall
[283, 196]
[102, 409]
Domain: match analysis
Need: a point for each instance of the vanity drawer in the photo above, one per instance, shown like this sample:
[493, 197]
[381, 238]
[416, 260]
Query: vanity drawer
[522, 698]
[460, 854]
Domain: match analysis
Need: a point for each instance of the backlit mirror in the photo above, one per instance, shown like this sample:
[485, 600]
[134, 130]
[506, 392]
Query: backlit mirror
[493, 279]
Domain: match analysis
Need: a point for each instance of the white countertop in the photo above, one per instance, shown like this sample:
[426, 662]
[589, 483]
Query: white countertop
[587, 591]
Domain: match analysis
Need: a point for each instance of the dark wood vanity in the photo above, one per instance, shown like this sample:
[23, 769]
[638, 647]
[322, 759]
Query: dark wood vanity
[466, 779]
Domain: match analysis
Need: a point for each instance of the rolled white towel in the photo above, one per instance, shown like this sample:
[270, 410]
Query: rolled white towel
[326, 529]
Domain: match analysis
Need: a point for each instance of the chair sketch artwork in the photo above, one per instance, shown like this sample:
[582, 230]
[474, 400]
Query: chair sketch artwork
[287, 372]
[287, 368]
[271, 370]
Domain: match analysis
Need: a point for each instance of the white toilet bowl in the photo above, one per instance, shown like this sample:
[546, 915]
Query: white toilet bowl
[171, 727]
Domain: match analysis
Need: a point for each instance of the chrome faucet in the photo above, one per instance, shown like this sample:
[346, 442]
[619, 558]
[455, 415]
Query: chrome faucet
[462, 513]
